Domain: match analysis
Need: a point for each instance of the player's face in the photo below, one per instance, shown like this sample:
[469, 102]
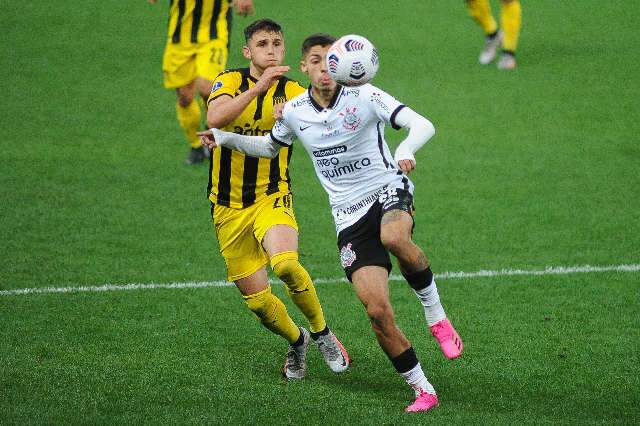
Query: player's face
[265, 49]
[314, 64]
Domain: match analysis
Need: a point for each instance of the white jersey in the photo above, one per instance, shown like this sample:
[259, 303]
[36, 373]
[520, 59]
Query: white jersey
[346, 144]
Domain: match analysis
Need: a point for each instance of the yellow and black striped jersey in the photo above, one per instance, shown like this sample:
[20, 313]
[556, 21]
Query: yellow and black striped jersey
[199, 21]
[236, 180]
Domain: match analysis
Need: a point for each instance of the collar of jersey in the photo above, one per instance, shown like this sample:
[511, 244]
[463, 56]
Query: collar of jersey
[333, 102]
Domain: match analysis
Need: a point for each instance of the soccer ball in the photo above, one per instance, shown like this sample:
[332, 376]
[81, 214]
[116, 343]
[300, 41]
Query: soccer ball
[352, 60]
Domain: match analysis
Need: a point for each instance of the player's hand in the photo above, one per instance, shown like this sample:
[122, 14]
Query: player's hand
[277, 111]
[269, 76]
[207, 139]
[152, 1]
[407, 166]
[243, 7]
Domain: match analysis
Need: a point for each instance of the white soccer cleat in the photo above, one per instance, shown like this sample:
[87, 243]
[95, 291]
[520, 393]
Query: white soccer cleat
[490, 50]
[507, 62]
[334, 354]
[295, 363]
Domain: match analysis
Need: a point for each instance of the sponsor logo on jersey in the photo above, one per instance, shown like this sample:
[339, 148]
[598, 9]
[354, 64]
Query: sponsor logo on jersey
[247, 130]
[216, 86]
[330, 151]
[351, 121]
[301, 102]
[377, 99]
[341, 170]
[347, 256]
[358, 205]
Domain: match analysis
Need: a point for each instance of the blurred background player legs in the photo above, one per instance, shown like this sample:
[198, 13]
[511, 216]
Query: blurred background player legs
[195, 53]
[505, 37]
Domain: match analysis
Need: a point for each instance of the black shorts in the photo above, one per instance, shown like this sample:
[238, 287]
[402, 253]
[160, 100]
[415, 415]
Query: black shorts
[360, 243]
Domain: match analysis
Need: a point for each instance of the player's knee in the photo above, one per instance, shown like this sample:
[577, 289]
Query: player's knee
[287, 267]
[393, 241]
[260, 303]
[185, 96]
[381, 315]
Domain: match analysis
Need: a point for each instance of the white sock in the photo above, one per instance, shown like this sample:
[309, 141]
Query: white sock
[418, 381]
[433, 310]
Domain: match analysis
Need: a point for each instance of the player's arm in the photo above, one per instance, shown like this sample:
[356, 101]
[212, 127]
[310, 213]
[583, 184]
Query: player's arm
[255, 146]
[420, 131]
[224, 109]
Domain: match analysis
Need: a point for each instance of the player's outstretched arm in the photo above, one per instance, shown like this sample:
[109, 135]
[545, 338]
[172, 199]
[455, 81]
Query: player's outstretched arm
[253, 146]
[420, 131]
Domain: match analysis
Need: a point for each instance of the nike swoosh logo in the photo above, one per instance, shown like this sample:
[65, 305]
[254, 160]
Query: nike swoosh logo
[302, 129]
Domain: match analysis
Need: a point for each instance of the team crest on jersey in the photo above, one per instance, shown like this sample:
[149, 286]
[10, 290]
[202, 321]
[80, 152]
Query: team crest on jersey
[351, 121]
[216, 86]
[347, 256]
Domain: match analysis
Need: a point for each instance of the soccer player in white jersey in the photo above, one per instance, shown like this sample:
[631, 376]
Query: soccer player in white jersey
[371, 198]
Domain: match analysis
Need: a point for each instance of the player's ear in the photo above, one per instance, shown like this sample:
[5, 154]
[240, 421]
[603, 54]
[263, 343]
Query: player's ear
[303, 65]
[246, 52]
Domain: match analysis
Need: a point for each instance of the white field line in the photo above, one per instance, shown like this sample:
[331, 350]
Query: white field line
[550, 270]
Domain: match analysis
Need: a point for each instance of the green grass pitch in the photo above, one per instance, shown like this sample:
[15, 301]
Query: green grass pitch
[529, 169]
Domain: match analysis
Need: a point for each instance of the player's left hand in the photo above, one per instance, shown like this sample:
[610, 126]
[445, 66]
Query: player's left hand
[207, 139]
[243, 7]
[277, 111]
[407, 166]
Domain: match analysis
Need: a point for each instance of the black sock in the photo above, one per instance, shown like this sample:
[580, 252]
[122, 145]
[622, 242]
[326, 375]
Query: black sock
[324, 332]
[300, 339]
[419, 280]
[405, 361]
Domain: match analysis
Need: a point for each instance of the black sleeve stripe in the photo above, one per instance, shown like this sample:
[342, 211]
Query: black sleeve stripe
[273, 138]
[392, 120]
[217, 96]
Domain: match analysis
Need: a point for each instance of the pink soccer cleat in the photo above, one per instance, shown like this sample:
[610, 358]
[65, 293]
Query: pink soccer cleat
[449, 340]
[424, 402]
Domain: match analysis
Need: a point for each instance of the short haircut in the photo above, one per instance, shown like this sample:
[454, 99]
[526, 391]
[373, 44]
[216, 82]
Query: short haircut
[268, 25]
[317, 39]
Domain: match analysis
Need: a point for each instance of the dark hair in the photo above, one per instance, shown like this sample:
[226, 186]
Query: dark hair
[261, 25]
[317, 39]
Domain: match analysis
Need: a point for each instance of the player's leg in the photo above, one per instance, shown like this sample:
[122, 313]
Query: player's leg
[246, 263]
[189, 116]
[179, 69]
[273, 315]
[371, 286]
[276, 227]
[480, 11]
[395, 233]
[511, 21]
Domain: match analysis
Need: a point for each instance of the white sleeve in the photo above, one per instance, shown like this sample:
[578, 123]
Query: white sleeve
[281, 133]
[254, 146]
[420, 131]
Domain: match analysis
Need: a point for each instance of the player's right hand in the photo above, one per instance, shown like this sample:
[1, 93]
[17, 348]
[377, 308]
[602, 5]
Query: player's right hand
[269, 76]
[207, 139]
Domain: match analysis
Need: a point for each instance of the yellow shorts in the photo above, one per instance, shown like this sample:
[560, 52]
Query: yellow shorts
[240, 232]
[181, 64]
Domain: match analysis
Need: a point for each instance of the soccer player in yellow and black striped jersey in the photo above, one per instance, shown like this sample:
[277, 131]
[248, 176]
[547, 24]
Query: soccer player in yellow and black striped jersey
[195, 52]
[507, 36]
[252, 204]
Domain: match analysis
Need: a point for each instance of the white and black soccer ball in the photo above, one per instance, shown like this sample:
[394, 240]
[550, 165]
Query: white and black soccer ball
[352, 60]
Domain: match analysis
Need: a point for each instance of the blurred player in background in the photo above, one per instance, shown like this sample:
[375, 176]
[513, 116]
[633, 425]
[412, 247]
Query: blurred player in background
[252, 204]
[371, 198]
[196, 51]
[506, 36]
